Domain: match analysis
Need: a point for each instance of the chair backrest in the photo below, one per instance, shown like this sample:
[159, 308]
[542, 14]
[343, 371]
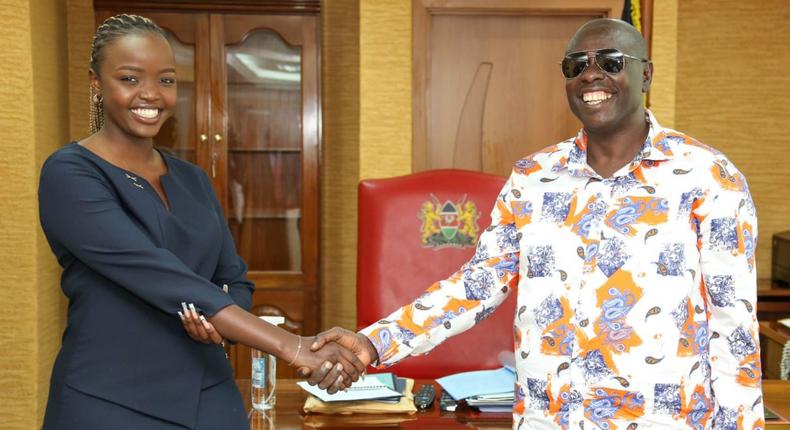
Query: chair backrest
[414, 230]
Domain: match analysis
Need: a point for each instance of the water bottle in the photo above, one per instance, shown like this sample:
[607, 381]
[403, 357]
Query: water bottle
[264, 374]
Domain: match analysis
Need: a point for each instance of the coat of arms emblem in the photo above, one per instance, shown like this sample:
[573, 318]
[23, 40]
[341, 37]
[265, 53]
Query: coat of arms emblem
[448, 224]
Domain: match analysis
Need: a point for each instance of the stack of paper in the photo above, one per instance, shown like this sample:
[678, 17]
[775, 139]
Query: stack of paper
[372, 387]
[487, 390]
[501, 402]
[371, 396]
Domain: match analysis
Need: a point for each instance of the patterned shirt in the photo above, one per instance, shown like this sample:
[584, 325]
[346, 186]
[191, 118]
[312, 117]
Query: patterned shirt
[636, 293]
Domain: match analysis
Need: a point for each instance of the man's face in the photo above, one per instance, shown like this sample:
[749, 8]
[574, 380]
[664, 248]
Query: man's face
[605, 102]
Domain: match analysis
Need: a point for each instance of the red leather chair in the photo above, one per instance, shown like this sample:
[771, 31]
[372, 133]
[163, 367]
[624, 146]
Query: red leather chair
[414, 230]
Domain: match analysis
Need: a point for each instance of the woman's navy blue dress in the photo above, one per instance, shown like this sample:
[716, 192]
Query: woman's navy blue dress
[128, 263]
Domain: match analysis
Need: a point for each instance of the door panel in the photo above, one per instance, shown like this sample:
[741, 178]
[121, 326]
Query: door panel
[265, 101]
[264, 150]
[504, 98]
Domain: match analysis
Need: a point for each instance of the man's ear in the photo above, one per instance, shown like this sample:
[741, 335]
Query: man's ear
[647, 77]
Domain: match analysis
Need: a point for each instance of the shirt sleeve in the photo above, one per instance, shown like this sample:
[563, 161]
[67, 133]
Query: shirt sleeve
[80, 212]
[459, 302]
[727, 240]
[231, 269]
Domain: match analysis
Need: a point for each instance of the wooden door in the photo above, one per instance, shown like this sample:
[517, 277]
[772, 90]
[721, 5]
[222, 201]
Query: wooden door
[264, 109]
[504, 97]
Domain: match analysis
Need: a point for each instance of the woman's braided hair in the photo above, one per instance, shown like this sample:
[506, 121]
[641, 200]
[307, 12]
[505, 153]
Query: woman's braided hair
[111, 29]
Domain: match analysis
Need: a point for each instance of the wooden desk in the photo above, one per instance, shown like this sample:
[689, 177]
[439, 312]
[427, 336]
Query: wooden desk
[288, 414]
[773, 301]
[773, 337]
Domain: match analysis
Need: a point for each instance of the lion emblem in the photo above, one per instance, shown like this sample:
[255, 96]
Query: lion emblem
[448, 224]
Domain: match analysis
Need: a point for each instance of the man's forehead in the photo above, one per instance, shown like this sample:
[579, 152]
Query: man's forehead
[599, 38]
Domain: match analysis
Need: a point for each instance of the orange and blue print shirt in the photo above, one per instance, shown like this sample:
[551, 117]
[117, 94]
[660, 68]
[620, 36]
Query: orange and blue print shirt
[636, 293]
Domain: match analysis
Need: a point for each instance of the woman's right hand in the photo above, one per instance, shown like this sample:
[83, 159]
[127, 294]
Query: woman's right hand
[345, 366]
[197, 327]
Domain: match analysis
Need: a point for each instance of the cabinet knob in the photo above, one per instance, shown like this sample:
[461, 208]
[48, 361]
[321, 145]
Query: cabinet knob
[203, 137]
[217, 138]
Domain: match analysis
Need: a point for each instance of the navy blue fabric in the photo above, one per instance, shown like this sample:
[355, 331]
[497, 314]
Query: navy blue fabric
[220, 407]
[128, 263]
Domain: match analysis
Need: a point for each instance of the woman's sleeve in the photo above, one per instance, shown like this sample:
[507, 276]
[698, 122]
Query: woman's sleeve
[231, 269]
[80, 212]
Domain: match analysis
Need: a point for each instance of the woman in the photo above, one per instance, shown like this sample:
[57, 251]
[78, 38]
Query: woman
[142, 239]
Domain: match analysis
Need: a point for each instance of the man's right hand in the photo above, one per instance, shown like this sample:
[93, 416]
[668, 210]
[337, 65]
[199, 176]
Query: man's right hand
[357, 343]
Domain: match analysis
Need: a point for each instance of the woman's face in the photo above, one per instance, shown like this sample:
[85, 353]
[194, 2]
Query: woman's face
[137, 82]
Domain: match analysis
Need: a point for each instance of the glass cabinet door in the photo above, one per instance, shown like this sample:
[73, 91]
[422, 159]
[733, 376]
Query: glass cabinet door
[264, 151]
[178, 133]
[265, 104]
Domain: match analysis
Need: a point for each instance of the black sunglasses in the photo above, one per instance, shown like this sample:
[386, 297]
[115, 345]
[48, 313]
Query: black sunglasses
[609, 60]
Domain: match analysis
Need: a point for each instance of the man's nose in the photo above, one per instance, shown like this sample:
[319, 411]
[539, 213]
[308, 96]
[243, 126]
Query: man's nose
[592, 72]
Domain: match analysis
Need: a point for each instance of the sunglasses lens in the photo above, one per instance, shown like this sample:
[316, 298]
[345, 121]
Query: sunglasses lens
[610, 63]
[573, 66]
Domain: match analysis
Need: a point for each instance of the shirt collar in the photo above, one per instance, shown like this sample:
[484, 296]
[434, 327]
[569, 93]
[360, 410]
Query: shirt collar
[658, 146]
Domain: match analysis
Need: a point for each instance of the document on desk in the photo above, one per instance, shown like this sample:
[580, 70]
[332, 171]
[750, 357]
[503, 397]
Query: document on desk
[369, 388]
[480, 382]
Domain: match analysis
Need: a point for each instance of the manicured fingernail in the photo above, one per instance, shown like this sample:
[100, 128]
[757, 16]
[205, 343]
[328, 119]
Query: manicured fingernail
[327, 365]
[180, 315]
[339, 367]
[184, 307]
[205, 323]
[194, 311]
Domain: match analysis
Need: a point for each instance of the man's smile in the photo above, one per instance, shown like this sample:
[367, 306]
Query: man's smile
[595, 97]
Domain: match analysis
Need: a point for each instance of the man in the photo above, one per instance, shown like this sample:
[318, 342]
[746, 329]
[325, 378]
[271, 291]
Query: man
[632, 246]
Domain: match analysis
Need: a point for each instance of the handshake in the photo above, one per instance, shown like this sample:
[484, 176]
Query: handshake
[335, 358]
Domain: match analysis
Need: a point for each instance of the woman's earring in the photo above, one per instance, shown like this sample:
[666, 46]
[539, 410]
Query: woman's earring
[97, 99]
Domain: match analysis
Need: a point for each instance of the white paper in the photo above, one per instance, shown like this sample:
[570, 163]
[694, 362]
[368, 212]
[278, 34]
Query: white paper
[367, 389]
[476, 383]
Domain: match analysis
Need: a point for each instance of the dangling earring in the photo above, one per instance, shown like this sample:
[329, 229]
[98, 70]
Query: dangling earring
[96, 116]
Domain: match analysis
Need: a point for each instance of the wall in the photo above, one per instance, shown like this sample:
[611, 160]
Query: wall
[33, 117]
[81, 27]
[732, 83]
[340, 168]
[385, 88]
[664, 52]
[367, 128]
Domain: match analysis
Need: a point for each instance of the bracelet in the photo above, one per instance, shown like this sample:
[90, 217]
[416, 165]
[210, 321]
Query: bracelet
[298, 350]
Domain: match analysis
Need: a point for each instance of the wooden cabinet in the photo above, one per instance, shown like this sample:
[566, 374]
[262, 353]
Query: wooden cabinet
[249, 114]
